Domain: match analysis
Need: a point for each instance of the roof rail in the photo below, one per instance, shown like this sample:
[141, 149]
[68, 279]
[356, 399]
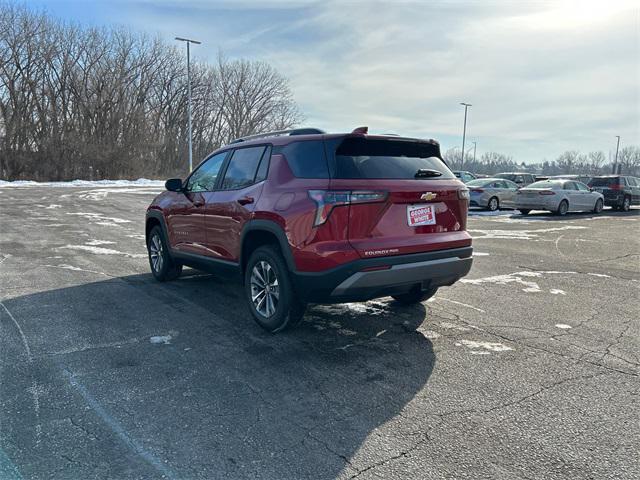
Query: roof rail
[281, 133]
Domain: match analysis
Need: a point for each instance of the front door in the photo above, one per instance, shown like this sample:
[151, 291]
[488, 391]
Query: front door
[186, 218]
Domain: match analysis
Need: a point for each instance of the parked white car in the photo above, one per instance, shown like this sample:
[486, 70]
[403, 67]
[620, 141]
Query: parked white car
[558, 196]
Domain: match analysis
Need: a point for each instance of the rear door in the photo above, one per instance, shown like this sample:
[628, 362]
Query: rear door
[420, 209]
[508, 194]
[233, 202]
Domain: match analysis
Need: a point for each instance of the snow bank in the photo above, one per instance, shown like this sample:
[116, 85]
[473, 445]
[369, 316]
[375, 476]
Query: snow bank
[85, 183]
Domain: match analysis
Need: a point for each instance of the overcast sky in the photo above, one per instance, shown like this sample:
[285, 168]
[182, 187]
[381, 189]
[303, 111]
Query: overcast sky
[543, 77]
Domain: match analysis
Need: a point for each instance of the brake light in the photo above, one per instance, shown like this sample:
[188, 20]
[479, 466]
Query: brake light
[327, 200]
[477, 190]
[615, 186]
[546, 192]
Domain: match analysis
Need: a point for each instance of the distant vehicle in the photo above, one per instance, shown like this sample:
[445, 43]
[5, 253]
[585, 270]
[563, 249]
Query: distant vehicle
[539, 178]
[301, 217]
[620, 191]
[558, 196]
[578, 178]
[522, 179]
[492, 193]
[464, 175]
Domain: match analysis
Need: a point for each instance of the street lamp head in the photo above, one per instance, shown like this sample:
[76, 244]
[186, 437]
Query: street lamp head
[465, 104]
[188, 40]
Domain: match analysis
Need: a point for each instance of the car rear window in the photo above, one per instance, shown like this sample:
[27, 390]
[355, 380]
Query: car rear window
[543, 184]
[306, 159]
[392, 159]
[603, 182]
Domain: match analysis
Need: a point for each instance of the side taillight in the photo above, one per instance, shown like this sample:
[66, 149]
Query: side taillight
[476, 190]
[327, 200]
[463, 194]
[546, 192]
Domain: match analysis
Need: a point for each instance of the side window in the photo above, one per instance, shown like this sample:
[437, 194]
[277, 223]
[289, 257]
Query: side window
[242, 168]
[307, 159]
[204, 178]
[264, 165]
[519, 179]
[582, 187]
[570, 186]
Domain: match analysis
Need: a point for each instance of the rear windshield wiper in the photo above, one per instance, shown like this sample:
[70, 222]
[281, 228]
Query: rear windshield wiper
[426, 172]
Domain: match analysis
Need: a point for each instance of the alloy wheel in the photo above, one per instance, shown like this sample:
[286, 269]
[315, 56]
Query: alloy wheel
[493, 204]
[155, 252]
[265, 289]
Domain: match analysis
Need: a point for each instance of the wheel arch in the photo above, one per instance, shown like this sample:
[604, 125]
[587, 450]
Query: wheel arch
[264, 232]
[155, 218]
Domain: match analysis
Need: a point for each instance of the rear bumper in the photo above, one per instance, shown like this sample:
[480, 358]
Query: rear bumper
[349, 283]
[614, 200]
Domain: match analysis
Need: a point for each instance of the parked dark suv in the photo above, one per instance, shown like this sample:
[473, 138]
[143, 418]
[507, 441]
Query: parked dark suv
[305, 216]
[620, 192]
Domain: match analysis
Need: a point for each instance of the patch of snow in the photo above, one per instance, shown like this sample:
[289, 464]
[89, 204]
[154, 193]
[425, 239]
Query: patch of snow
[479, 352]
[98, 217]
[83, 183]
[492, 346]
[461, 304]
[453, 326]
[487, 213]
[103, 251]
[137, 236]
[164, 339]
[563, 326]
[430, 334]
[601, 275]
[52, 206]
[557, 291]
[480, 254]
[381, 332]
[100, 242]
[520, 234]
[529, 287]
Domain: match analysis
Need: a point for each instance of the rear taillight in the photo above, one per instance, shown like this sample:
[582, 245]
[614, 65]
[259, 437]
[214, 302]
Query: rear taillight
[463, 194]
[615, 186]
[327, 200]
[476, 190]
[546, 192]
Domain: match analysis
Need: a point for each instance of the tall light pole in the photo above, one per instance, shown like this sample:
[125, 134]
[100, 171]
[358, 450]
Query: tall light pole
[474, 152]
[464, 129]
[615, 162]
[189, 42]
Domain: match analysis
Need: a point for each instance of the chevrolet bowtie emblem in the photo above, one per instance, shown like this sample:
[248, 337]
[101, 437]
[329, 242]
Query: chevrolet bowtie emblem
[428, 196]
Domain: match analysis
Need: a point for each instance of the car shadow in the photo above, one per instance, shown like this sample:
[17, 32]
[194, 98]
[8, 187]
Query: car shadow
[176, 379]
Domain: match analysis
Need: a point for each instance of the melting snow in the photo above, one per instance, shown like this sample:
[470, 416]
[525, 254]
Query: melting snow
[103, 251]
[521, 234]
[164, 339]
[100, 242]
[492, 346]
[563, 326]
[83, 183]
[556, 291]
[530, 287]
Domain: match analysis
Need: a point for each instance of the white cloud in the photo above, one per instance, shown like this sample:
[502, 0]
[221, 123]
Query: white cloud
[542, 77]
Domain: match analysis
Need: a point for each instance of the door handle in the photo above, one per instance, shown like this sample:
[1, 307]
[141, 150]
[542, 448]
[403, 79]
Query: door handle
[245, 200]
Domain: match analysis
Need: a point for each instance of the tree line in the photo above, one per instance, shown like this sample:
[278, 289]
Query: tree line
[98, 103]
[569, 162]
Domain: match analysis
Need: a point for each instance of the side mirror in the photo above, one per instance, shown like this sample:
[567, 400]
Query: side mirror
[173, 185]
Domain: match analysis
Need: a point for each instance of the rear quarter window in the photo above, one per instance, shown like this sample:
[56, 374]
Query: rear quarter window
[306, 159]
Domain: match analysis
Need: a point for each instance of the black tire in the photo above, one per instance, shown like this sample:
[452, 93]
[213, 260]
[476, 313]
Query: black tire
[280, 308]
[492, 205]
[524, 211]
[598, 206]
[626, 204]
[563, 208]
[417, 296]
[163, 267]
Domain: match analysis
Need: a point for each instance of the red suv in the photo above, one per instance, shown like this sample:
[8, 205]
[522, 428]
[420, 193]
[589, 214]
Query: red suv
[304, 216]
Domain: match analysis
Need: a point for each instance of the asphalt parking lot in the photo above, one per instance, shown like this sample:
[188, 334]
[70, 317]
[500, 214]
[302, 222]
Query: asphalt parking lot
[527, 369]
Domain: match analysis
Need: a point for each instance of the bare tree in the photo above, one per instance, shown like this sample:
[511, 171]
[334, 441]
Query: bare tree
[96, 102]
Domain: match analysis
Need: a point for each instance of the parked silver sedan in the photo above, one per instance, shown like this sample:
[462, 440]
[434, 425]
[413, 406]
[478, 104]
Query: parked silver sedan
[558, 196]
[492, 193]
